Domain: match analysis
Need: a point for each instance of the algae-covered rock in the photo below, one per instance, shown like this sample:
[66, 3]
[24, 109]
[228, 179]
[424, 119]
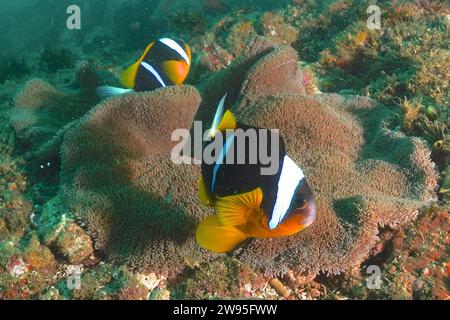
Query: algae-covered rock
[74, 244]
[58, 230]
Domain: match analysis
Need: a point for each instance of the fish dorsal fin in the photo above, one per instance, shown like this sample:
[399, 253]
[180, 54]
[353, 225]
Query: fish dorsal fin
[223, 120]
[228, 122]
[175, 71]
[127, 79]
[203, 194]
[235, 210]
[216, 237]
[218, 116]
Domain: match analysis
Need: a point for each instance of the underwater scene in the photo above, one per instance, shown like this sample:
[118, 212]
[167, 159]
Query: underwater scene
[224, 150]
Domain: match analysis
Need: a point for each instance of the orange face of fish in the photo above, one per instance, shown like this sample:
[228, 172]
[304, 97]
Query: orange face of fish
[296, 221]
[177, 70]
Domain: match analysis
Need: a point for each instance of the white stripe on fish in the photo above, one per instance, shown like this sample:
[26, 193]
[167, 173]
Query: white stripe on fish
[175, 46]
[290, 177]
[154, 73]
[220, 159]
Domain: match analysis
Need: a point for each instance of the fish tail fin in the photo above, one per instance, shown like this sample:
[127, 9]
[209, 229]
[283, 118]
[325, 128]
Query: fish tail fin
[214, 236]
[107, 91]
[127, 79]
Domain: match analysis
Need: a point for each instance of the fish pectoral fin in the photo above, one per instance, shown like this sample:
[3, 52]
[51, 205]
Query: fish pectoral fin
[175, 71]
[127, 79]
[203, 194]
[216, 237]
[235, 210]
[228, 122]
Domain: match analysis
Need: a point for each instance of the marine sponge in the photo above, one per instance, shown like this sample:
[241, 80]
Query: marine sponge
[142, 209]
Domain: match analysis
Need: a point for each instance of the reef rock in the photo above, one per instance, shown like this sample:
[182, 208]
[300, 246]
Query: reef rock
[142, 209]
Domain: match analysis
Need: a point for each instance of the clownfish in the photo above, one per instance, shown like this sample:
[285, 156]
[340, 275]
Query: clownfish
[248, 204]
[165, 62]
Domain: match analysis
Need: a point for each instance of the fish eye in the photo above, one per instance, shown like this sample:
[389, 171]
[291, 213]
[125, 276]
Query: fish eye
[300, 204]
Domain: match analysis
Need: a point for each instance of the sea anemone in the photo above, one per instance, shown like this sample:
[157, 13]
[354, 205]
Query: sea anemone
[118, 178]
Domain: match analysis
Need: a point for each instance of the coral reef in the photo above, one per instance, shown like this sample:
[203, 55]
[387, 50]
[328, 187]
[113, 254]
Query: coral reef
[412, 261]
[223, 278]
[187, 20]
[76, 194]
[15, 210]
[142, 209]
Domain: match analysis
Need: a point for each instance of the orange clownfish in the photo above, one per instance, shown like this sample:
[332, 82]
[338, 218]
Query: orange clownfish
[247, 203]
[165, 62]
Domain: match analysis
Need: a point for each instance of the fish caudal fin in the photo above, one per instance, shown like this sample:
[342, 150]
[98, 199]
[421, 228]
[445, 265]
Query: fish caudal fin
[203, 194]
[216, 237]
[127, 79]
[175, 71]
[235, 210]
[107, 91]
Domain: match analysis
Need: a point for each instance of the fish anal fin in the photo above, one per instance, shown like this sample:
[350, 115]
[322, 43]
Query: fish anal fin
[228, 122]
[214, 236]
[235, 210]
[175, 71]
[203, 194]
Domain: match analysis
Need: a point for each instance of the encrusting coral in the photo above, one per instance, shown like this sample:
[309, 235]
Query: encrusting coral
[142, 209]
